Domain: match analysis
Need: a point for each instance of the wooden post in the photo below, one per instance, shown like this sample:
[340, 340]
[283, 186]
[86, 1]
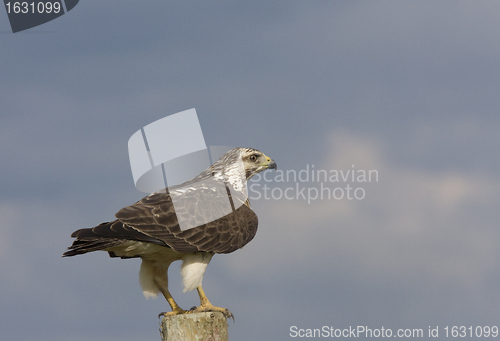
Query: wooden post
[207, 326]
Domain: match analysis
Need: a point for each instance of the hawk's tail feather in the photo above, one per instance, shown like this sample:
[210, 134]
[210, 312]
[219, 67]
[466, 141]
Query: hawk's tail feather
[105, 236]
[80, 247]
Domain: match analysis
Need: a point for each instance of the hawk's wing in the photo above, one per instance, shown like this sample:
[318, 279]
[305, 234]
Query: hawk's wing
[154, 219]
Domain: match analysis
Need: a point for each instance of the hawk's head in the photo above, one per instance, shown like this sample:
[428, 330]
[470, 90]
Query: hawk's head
[234, 168]
[255, 161]
[238, 165]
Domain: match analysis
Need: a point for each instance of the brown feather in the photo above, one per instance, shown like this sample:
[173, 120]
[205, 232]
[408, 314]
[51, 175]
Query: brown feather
[154, 220]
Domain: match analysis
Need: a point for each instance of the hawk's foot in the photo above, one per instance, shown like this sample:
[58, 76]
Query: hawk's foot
[172, 313]
[210, 307]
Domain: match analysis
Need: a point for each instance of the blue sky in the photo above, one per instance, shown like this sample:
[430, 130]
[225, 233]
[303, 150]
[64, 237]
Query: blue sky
[407, 88]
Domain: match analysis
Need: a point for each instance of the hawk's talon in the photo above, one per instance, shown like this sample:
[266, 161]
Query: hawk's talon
[210, 308]
[172, 313]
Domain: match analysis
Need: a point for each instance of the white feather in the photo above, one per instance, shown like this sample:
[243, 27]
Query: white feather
[156, 260]
[146, 279]
[193, 268]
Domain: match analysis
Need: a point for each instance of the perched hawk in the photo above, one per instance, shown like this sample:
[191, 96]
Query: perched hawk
[150, 228]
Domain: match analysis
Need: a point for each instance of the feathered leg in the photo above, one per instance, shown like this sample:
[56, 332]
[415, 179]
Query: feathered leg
[192, 270]
[153, 278]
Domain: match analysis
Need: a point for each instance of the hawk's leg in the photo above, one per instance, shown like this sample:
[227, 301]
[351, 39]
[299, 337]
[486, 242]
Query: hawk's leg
[205, 305]
[175, 307]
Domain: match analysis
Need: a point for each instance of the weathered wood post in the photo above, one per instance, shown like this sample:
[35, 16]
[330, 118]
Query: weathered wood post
[207, 326]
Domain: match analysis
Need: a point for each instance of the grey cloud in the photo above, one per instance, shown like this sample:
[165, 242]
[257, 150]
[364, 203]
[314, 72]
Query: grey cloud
[410, 88]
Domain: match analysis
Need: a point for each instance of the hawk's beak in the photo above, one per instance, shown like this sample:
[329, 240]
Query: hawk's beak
[272, 165]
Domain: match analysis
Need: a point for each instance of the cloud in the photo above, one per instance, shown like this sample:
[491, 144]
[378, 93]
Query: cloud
[407, 88]
[413, 222]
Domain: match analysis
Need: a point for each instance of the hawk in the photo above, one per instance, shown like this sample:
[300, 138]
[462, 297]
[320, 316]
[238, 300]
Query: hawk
[151, 229]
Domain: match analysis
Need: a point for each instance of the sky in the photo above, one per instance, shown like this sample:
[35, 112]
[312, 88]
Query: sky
[405, 89]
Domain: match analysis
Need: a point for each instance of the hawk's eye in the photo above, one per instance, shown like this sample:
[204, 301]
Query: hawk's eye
[253, 158]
